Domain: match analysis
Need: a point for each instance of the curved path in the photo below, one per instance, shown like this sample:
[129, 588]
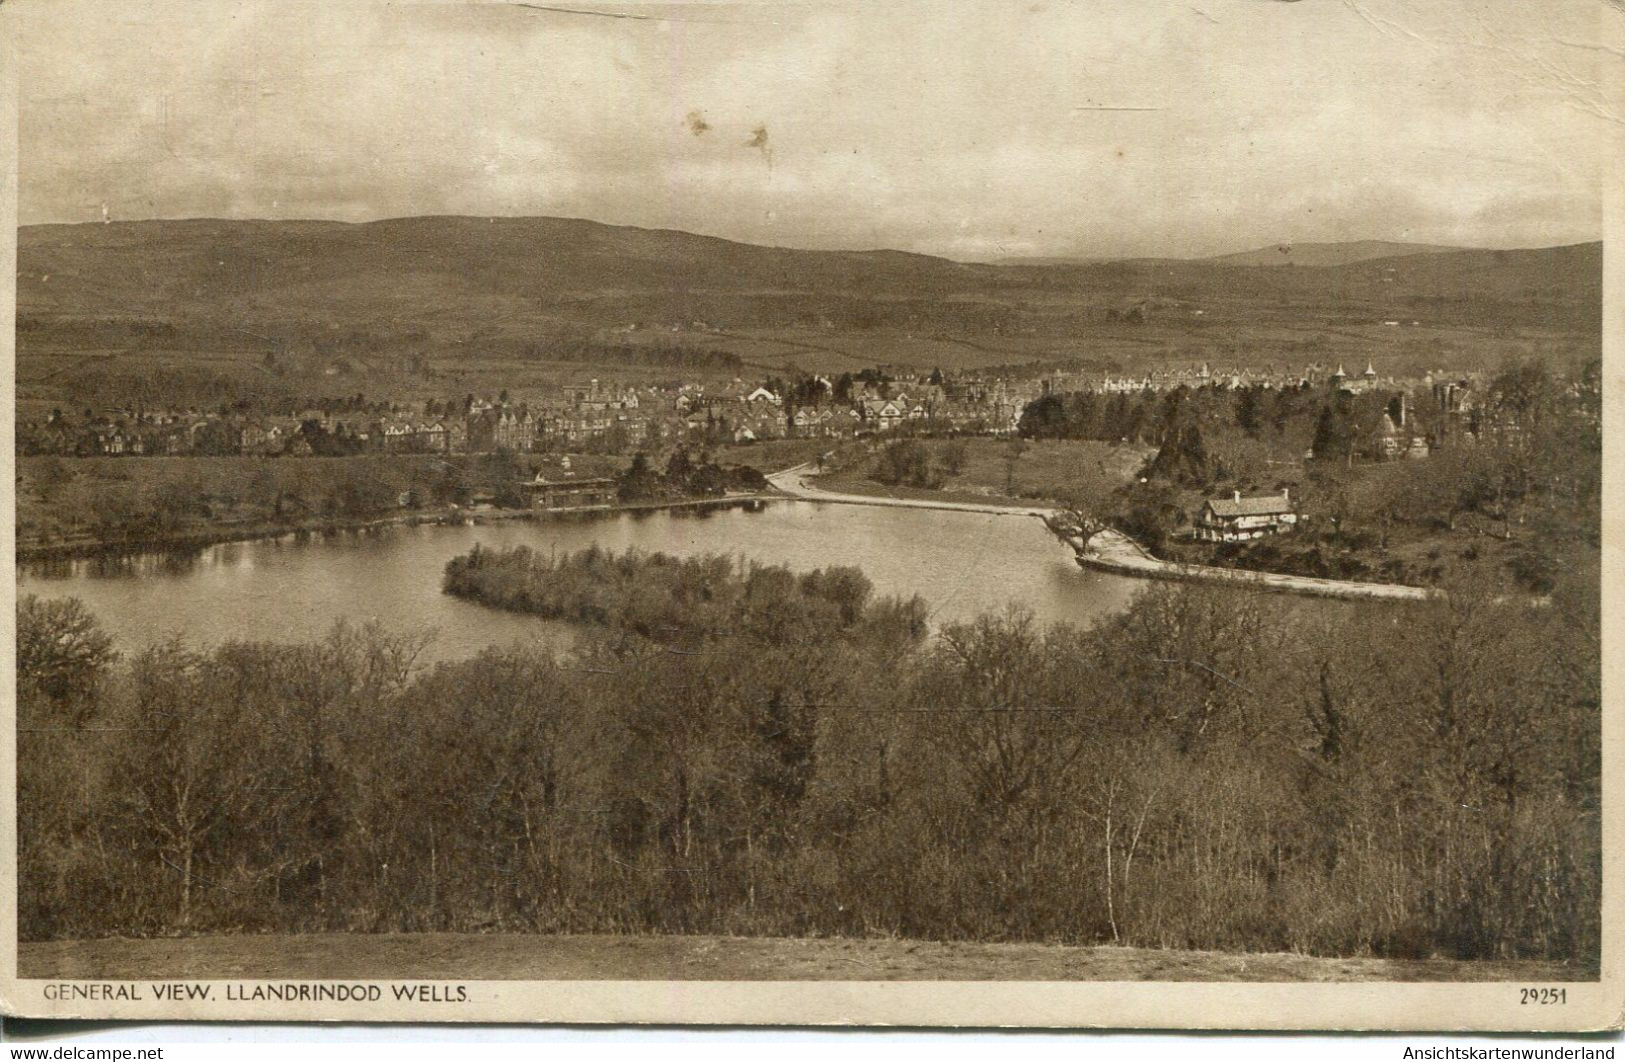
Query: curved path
[1114, 551]
[794, 482]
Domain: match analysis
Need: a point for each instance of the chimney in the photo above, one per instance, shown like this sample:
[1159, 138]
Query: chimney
[1236, 495]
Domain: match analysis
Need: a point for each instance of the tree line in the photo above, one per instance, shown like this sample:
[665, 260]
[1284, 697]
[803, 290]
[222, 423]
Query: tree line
[684, 477]
[114, 502]
[737, 749]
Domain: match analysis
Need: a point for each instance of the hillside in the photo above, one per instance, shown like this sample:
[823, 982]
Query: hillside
[438, 270]
[1315, 255]
[436, 302]
[422, 267]
[1558, 287]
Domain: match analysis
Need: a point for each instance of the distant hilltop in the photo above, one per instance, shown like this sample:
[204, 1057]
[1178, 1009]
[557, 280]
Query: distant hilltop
[1329, 254]
[1279, 254]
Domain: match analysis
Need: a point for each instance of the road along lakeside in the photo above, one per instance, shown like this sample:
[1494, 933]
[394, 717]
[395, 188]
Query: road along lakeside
[1113, 551]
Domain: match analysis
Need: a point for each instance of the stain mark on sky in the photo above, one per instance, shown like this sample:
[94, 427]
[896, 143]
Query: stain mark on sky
[696, 123]
[758, 140]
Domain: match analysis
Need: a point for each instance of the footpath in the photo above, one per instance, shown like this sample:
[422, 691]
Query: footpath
[793, 481]
[1114, 551]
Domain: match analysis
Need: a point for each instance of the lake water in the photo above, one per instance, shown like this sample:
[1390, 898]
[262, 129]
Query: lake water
[295, 588]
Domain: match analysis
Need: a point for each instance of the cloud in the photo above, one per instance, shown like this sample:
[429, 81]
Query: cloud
[1099, 127]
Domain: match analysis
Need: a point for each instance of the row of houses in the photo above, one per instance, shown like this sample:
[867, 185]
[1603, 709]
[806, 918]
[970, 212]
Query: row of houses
[1313, 375]
[620, 417]
[516, 429]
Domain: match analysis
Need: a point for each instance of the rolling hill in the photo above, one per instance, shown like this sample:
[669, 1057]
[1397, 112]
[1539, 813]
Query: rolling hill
[452, 288]
[394, 266]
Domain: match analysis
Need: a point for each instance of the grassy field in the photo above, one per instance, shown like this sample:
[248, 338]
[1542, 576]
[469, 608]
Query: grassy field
[526, 957]
[998, 471]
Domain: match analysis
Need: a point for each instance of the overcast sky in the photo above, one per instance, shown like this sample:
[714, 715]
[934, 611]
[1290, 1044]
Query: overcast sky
[974, 130]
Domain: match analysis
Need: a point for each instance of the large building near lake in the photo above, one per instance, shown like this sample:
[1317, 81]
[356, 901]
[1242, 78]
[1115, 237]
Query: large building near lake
[583, 493]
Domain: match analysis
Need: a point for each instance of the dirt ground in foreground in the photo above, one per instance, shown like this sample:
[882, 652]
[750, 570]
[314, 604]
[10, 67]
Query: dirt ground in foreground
[462, 956]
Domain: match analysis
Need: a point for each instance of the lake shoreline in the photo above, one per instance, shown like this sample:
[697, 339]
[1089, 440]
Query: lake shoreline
[450, 515]
[1112, 551]
[298, 586]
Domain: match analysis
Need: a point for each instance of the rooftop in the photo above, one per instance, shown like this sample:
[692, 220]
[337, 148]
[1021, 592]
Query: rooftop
[1236, 505]
[585, 481]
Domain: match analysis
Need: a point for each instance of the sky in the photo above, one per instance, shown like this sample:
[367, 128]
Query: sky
[971, 129]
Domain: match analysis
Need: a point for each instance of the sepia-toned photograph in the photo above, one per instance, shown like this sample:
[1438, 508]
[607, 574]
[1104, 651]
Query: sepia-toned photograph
[808, 512]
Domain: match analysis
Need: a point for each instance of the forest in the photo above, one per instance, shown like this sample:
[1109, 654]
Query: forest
[731, 748]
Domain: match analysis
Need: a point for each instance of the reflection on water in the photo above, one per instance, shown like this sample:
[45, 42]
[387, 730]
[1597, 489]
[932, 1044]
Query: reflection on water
[295, 587]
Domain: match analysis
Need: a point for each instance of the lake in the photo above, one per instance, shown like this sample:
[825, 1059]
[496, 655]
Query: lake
[295, 588]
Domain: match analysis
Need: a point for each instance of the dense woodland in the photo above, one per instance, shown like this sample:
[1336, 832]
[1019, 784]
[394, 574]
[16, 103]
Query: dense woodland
[738, 749]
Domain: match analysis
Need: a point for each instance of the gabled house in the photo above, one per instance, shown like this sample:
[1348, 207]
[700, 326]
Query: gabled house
[259, 437]
[431, 436]
[398, 433]
[515, 430]
[883, 413]
[1238, 519]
